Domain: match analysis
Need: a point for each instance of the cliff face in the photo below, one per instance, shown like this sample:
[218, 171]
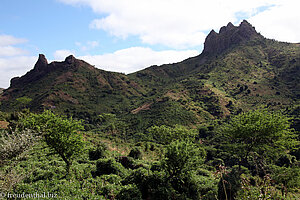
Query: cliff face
[216, 43]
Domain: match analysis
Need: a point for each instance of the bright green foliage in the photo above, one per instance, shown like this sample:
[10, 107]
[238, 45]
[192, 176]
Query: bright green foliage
[165, 134]
[258, 131]
[181, 157]
[22, 102]
[61, 134]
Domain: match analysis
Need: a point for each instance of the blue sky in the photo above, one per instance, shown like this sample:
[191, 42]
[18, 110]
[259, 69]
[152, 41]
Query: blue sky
[127, 35]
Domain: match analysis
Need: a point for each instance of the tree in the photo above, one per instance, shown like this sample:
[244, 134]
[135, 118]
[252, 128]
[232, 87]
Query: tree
[61, 134]
[181, 157]
[182, 165]
[109, 123]
[266, 133]
[22, 102]
[165, 134]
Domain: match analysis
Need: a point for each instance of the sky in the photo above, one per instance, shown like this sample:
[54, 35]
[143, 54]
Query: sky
[128, 35]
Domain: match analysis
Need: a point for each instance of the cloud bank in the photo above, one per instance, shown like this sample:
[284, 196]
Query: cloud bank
[13, 60]
[136, 58]
[184, 23]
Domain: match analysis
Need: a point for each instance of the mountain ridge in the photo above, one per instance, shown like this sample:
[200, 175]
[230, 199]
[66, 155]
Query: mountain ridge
[238, 70]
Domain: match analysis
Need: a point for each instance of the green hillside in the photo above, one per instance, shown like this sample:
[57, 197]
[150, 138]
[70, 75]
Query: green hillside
[238, 70]
[223, 125]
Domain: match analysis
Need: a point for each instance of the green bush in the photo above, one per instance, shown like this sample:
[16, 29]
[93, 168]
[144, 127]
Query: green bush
[287, 177]
[129, 192]
[182, 157]
[109, 166]
[98, 152]
[136, 153]
[153, 185]
[165, 134]
[109, 190]
[230, 183]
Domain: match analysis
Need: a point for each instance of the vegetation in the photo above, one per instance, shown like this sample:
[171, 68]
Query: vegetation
[181, 163]
[61, 134]
[260, 132]
[217, 126]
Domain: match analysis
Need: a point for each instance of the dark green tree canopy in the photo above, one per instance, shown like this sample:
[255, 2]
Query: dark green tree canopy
[258, 131]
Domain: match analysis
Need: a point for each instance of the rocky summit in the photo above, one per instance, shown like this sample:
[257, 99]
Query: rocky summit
[216, 43]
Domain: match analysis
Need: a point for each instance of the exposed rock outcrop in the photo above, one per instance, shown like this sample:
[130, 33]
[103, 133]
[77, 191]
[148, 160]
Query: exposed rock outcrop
[41, 64]
[216, 43]
[42, 68]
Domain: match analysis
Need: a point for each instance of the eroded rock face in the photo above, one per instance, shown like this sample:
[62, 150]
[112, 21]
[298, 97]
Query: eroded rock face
[42, 68]
[228, 36]
[42, 63]
[70, 59]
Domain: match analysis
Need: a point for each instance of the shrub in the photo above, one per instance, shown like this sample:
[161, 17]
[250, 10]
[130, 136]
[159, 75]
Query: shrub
[129, 192]
[197, 186]
[151, 185]
[15, 143]
[230, 183]
[182, 157]
[130, 163]
[287, 177]
[109, 166]
[135, 153]
[98, 152]
[165, 134]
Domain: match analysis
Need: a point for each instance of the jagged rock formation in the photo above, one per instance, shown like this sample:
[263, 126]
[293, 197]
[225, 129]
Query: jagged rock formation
[41, 64]
[216, 43]
[42, 68]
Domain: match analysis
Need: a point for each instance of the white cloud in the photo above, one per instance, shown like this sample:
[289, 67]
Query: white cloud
[281, 22]
[62, 54]
[7, 40]
[136, 58]
[7, 47]
[184, 23]
[13, 60]
[14, 66]
[6, 51]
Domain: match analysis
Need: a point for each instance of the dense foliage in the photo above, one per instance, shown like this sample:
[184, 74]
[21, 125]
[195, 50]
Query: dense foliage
[248, 156]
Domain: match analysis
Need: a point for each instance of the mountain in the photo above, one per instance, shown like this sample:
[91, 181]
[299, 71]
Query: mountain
[72, 86]
[238, 70]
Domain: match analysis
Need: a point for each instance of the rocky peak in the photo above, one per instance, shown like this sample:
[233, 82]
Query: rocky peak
[228, 36]
[229, 27]
[42, 63]
[70, 59]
